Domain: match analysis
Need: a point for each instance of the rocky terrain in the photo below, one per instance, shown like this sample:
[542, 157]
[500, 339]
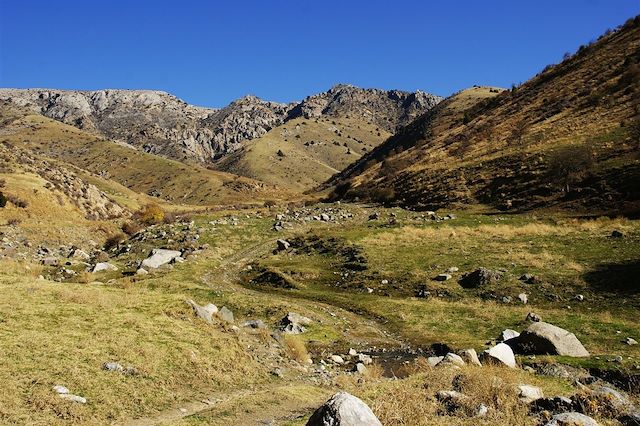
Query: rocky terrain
[160, 123]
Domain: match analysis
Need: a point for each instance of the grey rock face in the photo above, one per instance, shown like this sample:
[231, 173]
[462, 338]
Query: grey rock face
[542, 338]
[344, 409]
[160, 123]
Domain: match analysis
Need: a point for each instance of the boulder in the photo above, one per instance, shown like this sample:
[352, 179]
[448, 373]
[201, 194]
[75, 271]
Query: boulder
[225, 314]
[452, 359]
[282, 245]
[533, 317]
[523, 298]
[79, 254]
[434, 360]
[337, 359]
[343, 409]
[571, 419]
[542, 338]
[630, 341]
[104, 266]
[507, 334]
[528, 393]
[480, 277]
[256, 324]
[501, 353]
[294, 323]
[50, 261]
[470, 356]
[159, 257]
[203, 312]
[443, 277]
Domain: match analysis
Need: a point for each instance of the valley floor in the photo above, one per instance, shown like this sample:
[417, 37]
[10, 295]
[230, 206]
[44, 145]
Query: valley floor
[368, 278]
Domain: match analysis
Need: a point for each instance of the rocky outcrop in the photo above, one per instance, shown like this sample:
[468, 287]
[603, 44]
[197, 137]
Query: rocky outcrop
[388, 109]
[162, 124]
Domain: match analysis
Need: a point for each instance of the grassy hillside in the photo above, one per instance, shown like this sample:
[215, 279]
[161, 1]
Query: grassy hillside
[144, 173]
[568, 138]
[302, 153]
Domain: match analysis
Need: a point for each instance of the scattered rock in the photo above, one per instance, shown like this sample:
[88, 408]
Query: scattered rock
[443, 277]
[73, 398]
[60, 389]
[453, 269]
[80, 254]
[481, 411]
[336, 359]
[225, 314]
[365, 359]
[571, 419]
[159, 257]
[360, 368]
[203, 312]
[343, 409]
[528, 394]
[434, 360]
[104, 266]
[523, 298]
[542, 338]
[142, 271]
[529, 279]
[452, 359]
[50, 261]
[282, 245]
[507, 334]
[470, 356]
[501, 353]
[556, 404]
[294, 323]
[117, 367]
[480, 277]
[256, 324]
[579, 297]
[630, 341]
[533, 317]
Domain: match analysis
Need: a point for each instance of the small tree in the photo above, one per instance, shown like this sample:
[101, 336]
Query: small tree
[518, 130]
[569, 165]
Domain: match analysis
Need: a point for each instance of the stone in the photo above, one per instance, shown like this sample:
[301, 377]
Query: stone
[528, 393]
[533, 317]
[616, 234]
[256, 324]
[203, 312]
[452, 359]
[470, 356]
[507, 334]
[481, 411]
[443, 277]
[352, 352]
[529, 279]
[159, 257]
[630, 341]
[73, 398]
[343, 409]
[365, 359]
[360, 368]
[50, 261]
[112, 366]
[226, 315]
[80, 254]
[523, 298]
[142, 271]
[480, 277]
[325, 217]
[579, 297]
[453, 269]
[60, 389]
[542, 338]
[571, 419]
[500, 353]
[104, 266]
[282, 244]
[336, 359]
[434, 360]
[294, 323]
[556, 404]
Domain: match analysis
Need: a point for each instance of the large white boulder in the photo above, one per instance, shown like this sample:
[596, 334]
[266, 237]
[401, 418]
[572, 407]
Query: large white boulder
[344, 409]
[500, 353]
[159, 257]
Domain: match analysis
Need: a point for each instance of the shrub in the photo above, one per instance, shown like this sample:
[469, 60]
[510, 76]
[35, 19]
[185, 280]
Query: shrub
[114, 240]
[296, 348]
[18, 202]
[269, 204]
[150, 214]
[3, 200]
[568, 165]
[131, 228]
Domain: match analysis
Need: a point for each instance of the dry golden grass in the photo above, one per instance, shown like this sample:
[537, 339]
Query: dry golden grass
[296, 348]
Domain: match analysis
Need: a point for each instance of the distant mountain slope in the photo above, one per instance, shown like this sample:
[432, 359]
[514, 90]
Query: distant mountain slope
[568, 137]
[160, 123]
[302, 153]
[141, 172]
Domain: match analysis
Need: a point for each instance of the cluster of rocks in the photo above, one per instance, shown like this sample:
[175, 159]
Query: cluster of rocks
[289, 217]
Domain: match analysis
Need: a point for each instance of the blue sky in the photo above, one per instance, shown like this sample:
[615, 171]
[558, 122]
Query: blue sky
[211, 52]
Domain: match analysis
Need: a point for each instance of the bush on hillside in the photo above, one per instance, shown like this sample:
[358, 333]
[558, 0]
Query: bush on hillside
[114, 240]
[150, 214]
[569, 165]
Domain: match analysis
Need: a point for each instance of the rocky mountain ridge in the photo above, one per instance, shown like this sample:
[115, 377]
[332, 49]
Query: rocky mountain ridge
[160, 123]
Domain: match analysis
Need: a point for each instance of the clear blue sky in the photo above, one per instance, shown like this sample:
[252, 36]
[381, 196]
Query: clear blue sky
[211, 52]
